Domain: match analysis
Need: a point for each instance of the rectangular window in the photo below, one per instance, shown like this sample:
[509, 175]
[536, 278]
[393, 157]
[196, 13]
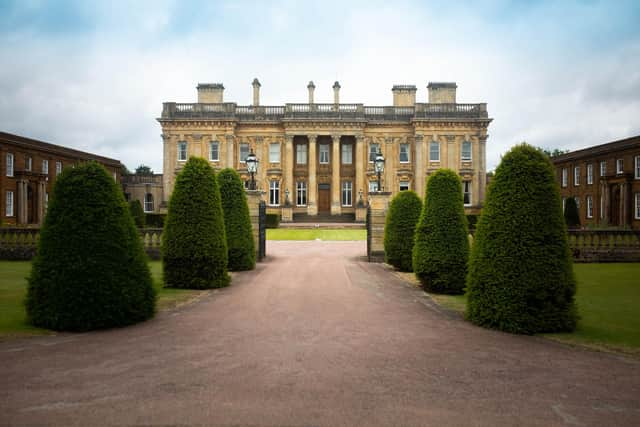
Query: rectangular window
[347, 154]
[576, 176]
[10, 164]
[301, 193]
[603, 168]
[637, 167]
[373, 186]
[404, 153]
[577, 203]
[589, 207]
[434, 151]
[601, 207]
[274, 193]
[148, 202]
[466, 193]
[214, 151]
[301, 154]
[182, 151]
[244, 152]
[45, 167]
[619, 166]
[564, 203]
[589, 174]
[637, 197]
[324, 154]
[373, 152]
[347, 193]
[9, 204]
[404, 185]
[564, 177]
[274, 153]
[466, 151]
[28, 163]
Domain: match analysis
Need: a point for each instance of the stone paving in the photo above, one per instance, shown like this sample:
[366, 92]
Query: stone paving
[314, 336]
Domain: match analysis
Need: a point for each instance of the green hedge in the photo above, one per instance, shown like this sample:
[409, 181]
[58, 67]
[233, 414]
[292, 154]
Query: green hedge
[154, 220]
[137, 213]
[404, 212]
[272, 220]
[520, 273]
[441, 248]
[571, 214]
[240, 244]
[90, 270]
[472, 220]
[194, 244]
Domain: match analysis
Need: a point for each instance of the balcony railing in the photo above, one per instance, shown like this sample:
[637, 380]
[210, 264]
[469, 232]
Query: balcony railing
[231, 111]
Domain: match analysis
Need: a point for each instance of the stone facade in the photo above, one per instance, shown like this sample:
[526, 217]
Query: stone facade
[321, 154]
[28, 170]
[605, 180]
[148, 189]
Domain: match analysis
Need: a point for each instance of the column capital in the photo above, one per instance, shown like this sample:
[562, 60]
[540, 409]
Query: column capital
[230, 137]
[289, 139]
[335, 136]
[359, 137]
[312, 137]
[419, 137]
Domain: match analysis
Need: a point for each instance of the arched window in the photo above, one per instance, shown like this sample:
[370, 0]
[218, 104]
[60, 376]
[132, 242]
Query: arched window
[148, 202]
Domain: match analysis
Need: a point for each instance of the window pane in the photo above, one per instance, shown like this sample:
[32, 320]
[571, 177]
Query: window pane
[182, 151]
[301, 154]
[148, 202]
[244, 152]
[274, 153]
[274, 193]
[404, 153]
[404, 185]
[373, 186]
[9, 204]
[466, 150]
[603, 168]
[301, 193]
[324, 153]
[9, 164]
[373, 151]
[466, 189]
[214, 151]
[58, 168]
[576, 175]
[347, 154]
[346, 193]
[434, 151]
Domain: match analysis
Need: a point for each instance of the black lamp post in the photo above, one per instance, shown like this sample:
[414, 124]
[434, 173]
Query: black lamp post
[252, 168]
[379, 165]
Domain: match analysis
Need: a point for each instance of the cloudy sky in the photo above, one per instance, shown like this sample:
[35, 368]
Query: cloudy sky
[93, 74]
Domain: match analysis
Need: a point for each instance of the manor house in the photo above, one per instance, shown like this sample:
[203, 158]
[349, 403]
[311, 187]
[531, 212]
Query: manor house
[319, 158]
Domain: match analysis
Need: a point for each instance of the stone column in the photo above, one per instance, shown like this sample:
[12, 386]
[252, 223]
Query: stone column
[418, 171]
[312, 200]
[42, 189]
[253, 201]
[22, 202]
[230, 151]
[453, 159]
[168, 166]
[623, 204]
[379, 202]
[336, 208]
[287, 168]
[605, 194]
[388, 182]
[361, 167]
[482, 168]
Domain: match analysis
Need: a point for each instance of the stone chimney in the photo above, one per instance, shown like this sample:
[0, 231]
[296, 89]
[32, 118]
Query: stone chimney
[442, 92]
[210, 93]
[256, 92]
[311, 88]
[336, 93]
[404, 95]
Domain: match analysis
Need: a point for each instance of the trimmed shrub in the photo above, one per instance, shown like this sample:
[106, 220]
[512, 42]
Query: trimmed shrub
[272, 220]
[520, 272]
[240, 245]
[571, 215]
[441, 248]
[399, 230]
[137, 213]
[90, 271]
[194, 244]
[154, 220]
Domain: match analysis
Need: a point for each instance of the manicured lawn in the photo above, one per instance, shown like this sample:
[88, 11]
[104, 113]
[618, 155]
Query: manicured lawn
[608, 298]
[13, 287]
[315, 233]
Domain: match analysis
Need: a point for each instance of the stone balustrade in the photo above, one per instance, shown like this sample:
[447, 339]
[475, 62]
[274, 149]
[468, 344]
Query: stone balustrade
[605, 245]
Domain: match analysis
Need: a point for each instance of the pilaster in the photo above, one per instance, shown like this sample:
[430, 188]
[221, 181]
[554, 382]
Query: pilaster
[335, 176]
[312, 202]
[288, 166]
[419, 171]
[230, 146]
[361, 166]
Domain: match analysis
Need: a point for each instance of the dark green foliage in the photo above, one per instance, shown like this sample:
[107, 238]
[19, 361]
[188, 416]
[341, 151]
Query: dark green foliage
[144, 170]
[194, 244]
[137, 213]
[90, 271]
[153, 220]
[472, 220]
[520, 274]
[272, 220]
[404, 212]
[240, 245]
[441, 246]
[571, 215]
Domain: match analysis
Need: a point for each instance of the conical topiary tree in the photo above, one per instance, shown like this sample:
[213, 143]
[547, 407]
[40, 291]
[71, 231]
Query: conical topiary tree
[137, 213]
[194, 244]
[240, 245]
[571, 214]
[441, 248]
[520, 271]
[399, 230]
[90, 271]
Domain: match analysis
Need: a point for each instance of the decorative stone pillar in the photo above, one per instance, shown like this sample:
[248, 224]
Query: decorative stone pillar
[361, 166]
[312, 202]
[230, 151]
[419, 170]
[389, 165]
[379, 205]
[22, 202]
[168, 165]
[482, 168]
[624, 200]
[311, 87]
[253, 201]
[41, 200]
[288, 166]
[336, 208]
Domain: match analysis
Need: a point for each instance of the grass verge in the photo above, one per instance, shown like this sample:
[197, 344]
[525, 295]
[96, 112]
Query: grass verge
[316, 233]
[13, 289]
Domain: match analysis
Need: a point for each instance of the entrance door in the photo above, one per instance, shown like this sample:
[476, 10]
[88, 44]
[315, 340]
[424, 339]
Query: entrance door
[324, 198]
